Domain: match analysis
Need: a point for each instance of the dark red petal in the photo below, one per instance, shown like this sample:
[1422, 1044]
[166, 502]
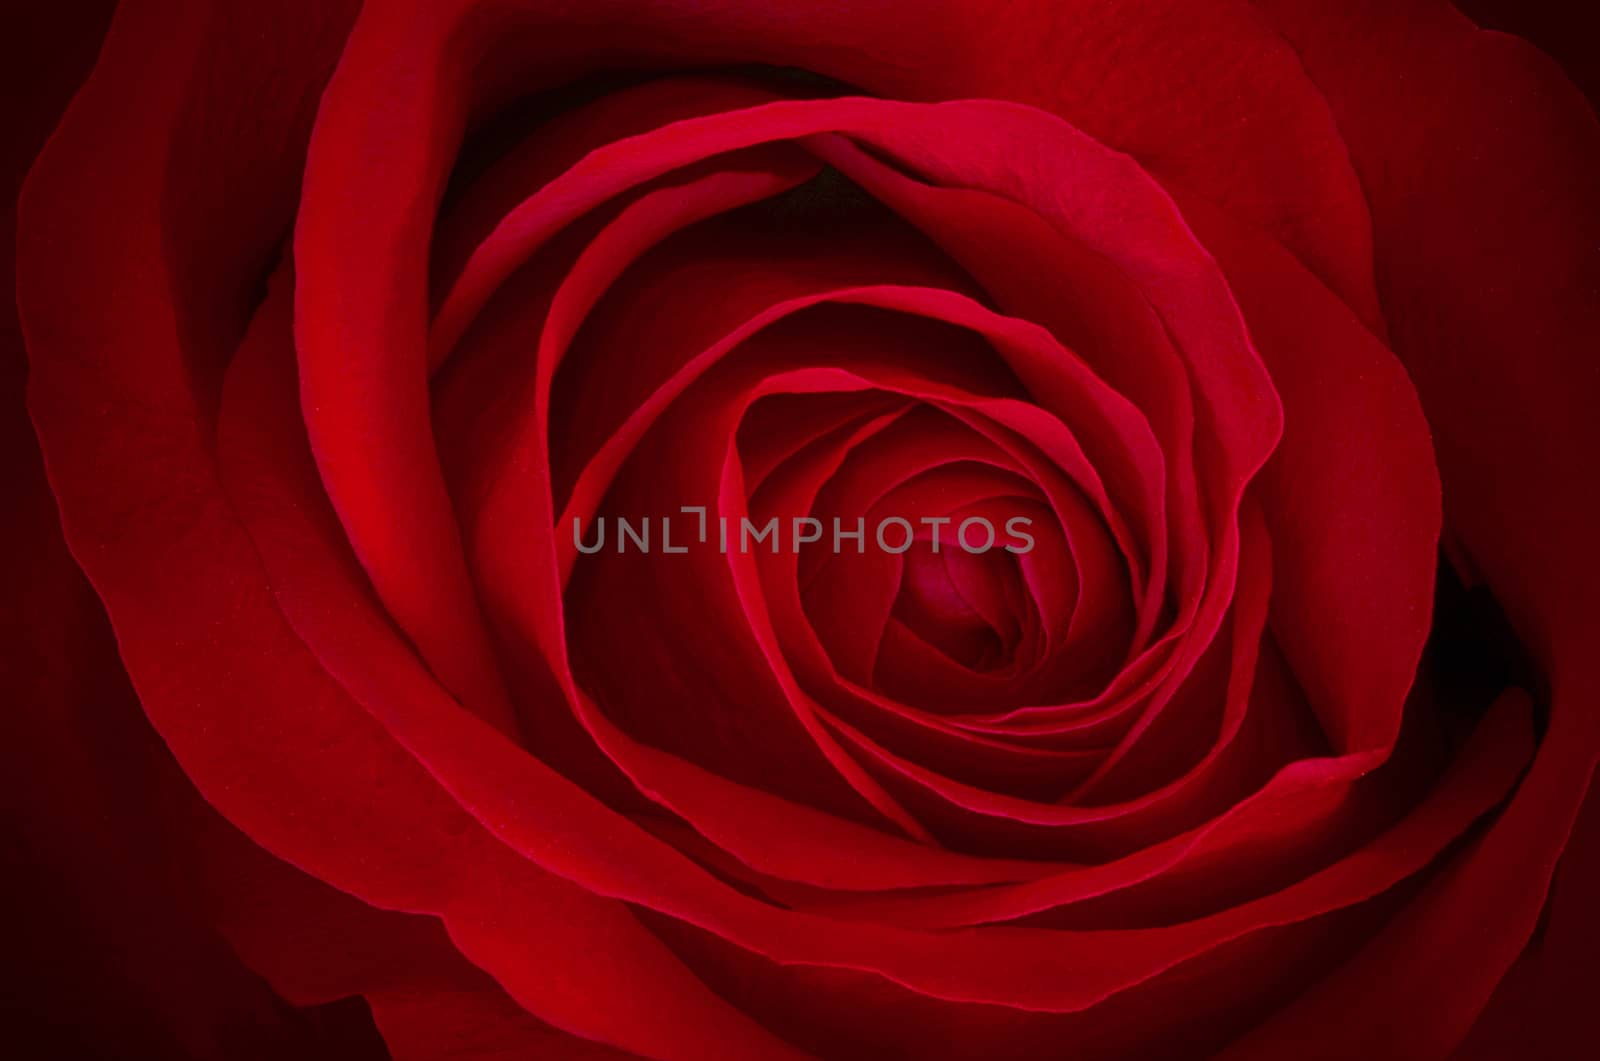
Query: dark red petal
[1480, 163]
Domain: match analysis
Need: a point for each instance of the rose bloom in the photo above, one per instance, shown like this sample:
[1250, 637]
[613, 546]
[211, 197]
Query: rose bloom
[1274, 322]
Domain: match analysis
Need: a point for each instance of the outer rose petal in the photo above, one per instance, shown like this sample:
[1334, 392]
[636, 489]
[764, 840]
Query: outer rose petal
[1489, 280]
[132, 970]
[1559, 28]
[314, 943]
[262, 729]
[1544, 1009]
[110, 956]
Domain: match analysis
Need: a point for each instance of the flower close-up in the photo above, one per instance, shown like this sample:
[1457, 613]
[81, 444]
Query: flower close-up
[902, 529]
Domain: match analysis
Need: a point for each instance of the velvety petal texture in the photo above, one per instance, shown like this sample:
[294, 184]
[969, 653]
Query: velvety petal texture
[774, 531]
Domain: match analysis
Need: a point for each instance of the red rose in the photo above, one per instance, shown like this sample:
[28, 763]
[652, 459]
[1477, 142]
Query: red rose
[775, 531]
